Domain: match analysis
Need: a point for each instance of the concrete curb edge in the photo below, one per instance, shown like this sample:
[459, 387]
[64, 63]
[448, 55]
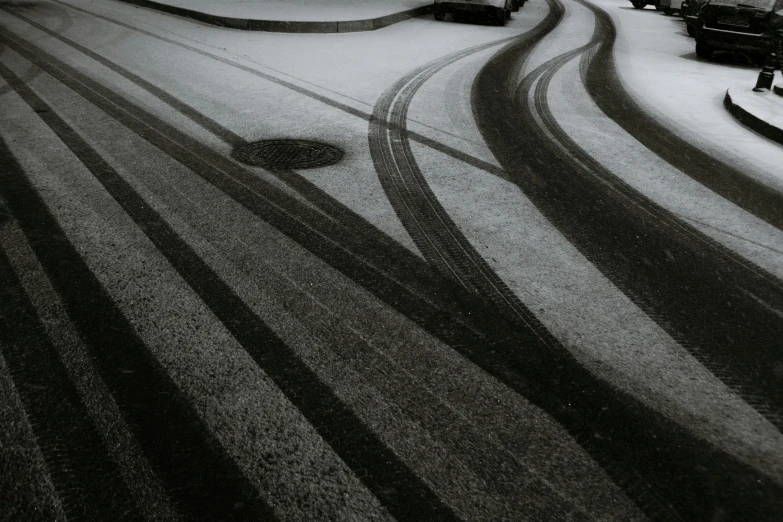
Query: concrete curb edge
[751, 121]
[280, 26]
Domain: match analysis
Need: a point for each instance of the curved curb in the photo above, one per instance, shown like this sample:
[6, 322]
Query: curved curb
[282, 26]
[750, 120]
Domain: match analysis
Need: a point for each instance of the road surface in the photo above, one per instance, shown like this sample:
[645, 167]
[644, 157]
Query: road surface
[543, 282]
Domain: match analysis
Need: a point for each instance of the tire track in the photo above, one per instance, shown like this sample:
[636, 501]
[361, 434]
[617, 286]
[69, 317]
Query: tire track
[605, 87]
[557, 197]
[365, 259]
[355, 234]
[426, 221]
[765, 395]
[335, 208]
[683, 288]
[119, 442]
[445, 149]
[174, 441]
[405, 495]
[429, 225]
[629, 440]
[75, 455]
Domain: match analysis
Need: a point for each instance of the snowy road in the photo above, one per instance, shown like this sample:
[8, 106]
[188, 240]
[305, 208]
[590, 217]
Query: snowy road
[544, 282]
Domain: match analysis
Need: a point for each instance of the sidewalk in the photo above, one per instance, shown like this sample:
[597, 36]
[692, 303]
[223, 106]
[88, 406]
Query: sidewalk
[294, 16]
[762, 112]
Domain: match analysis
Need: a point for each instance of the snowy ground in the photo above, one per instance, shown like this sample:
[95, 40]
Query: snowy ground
[223, 87]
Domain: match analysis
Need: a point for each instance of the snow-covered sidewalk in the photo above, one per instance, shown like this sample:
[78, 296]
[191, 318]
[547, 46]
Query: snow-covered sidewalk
[309, 16]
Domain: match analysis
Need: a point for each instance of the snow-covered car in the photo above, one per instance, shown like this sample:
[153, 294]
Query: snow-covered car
[498, 10]
[641, 4]
[738, 25]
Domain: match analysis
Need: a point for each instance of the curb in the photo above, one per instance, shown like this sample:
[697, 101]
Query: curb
[752, 121]
[281, 26]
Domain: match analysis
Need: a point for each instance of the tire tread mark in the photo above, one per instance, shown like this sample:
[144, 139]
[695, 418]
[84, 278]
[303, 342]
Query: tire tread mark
[365, 239]
[85, 477]
[763, 395]
[401, 492]
[664, 477]
[476, 162]
[201, 479]
[417, 207]
[607, 91]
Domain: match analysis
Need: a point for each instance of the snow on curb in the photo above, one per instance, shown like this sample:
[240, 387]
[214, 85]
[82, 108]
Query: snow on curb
[761, 112]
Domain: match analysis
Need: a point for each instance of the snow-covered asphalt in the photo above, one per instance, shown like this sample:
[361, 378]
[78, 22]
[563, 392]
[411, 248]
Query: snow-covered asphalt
[544, 282]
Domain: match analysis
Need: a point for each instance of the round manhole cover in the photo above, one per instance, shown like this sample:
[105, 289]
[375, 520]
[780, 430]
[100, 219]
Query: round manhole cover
[288, 154]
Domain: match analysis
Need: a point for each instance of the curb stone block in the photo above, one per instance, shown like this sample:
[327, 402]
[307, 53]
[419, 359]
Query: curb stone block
[355, 26]
[752, 121]
[282, 26]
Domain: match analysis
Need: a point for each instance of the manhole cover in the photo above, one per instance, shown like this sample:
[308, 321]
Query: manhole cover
[288, 154]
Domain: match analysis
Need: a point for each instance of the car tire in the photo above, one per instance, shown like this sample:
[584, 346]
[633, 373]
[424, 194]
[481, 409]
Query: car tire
[638, 4]
[508, 14]
[691, 30]
[500, 17]
[515, 5]
[440, 15]
[668, 12]
[703, 50]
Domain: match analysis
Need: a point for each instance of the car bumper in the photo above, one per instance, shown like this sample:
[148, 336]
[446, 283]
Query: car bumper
[470, 6]
[732, 41]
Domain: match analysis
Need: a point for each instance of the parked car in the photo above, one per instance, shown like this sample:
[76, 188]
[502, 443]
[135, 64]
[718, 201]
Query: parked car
[669, 7]
[690, 11]
[641, 4]
[498, 10]
[738, 25]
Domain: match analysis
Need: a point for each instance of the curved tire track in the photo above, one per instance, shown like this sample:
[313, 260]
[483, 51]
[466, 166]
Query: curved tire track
[697, 290]
[575, 203]
[605, 87]
[427, 222]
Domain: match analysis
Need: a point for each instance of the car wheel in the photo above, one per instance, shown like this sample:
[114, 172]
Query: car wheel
[691, 30]
[440, 15]
[638, 4]
[500, 17]
[668, 12]
[703, 50]
[508, 14]
[515, 5]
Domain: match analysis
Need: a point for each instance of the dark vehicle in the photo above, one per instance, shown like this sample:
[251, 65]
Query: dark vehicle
[669, 7]
[690, 11]
[498, 10]
[738, 25]
[641, 4]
